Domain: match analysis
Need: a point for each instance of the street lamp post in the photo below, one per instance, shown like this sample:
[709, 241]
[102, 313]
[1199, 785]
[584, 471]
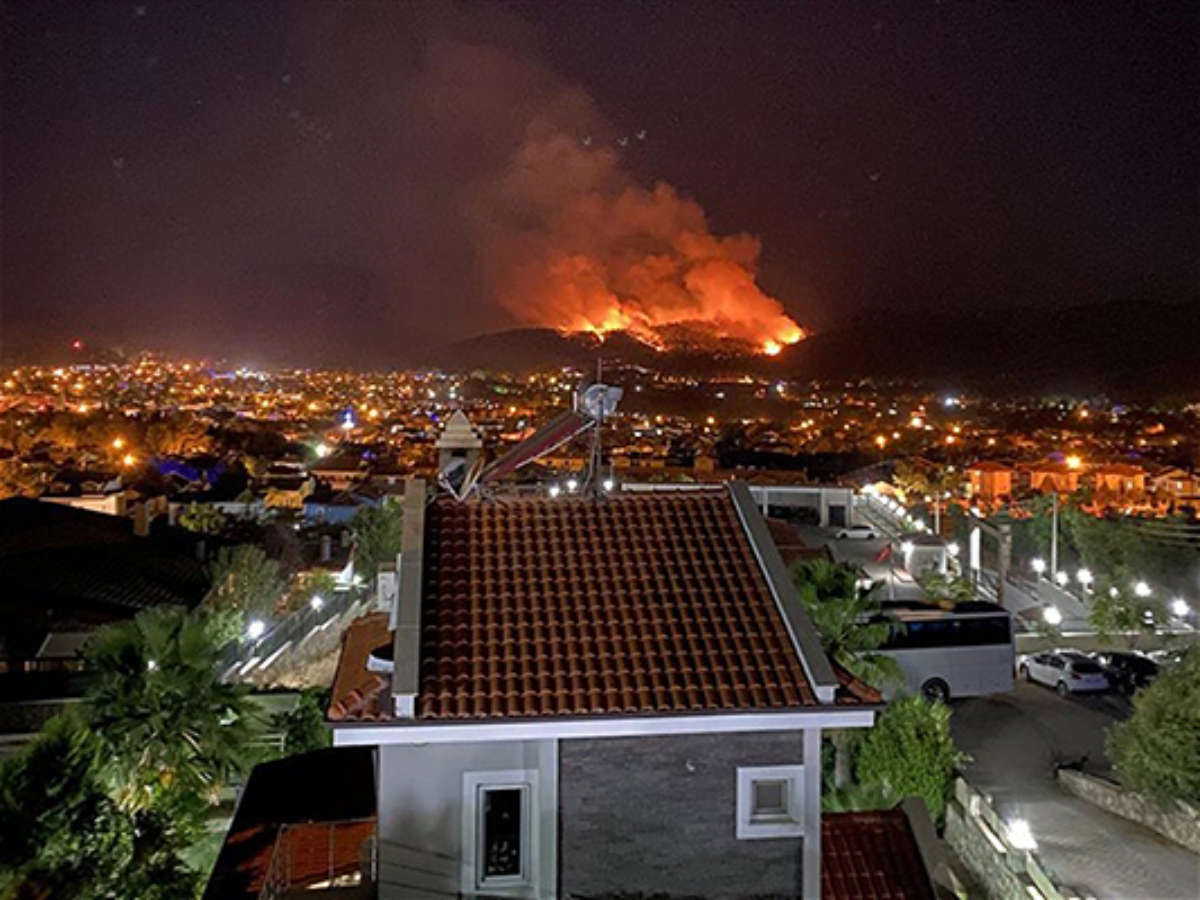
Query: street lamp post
[1054, 535]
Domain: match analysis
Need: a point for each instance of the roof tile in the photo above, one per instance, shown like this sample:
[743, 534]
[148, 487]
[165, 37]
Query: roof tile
[577, 606]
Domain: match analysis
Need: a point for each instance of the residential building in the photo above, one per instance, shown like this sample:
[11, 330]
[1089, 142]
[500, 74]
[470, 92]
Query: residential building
[990, 482]
[1120, 479]
[566, 680]
[1053, 477]
[587, 696]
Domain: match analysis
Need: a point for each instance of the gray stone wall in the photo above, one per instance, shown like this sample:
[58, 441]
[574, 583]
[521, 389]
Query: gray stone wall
[1177, 822]
[658, 816]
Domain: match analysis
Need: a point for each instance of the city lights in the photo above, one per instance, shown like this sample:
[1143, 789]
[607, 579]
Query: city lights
[1052, 616]
[1141, 589]
[1039, 566]
[1180, 608]
[256, 629]
[1084, 577]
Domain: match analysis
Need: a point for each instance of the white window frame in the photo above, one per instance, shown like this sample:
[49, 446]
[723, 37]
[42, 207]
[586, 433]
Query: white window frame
[474, 784]
[748, 829]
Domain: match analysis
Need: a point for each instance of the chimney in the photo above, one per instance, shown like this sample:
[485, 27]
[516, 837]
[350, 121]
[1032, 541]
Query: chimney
[141, 519]
[406, 652]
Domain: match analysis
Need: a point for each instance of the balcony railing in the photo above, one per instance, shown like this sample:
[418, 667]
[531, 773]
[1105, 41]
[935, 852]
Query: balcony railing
[314, 856]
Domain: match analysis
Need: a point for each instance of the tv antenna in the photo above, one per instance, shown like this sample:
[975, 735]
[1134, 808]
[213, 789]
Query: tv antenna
[598, 402]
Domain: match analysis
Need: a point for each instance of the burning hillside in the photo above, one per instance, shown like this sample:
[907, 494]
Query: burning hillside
[606, 255]
[575, 244]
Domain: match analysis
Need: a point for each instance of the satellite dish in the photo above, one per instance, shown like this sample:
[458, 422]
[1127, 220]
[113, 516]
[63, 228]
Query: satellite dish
[599, 401]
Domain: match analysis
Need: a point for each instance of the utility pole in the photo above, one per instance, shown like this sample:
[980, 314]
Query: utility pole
[1054, 535]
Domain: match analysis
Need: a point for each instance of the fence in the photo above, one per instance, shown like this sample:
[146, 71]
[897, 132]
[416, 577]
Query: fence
[996, 854]
[321, 855]
[289, 630]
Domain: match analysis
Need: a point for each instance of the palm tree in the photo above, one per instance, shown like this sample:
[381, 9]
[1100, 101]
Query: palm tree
[848, 617]
[157, 698]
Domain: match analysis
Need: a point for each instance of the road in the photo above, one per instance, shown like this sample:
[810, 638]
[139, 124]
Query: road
[1015, 740]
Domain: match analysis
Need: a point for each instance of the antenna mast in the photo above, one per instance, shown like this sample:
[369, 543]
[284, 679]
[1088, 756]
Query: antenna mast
[597, 454]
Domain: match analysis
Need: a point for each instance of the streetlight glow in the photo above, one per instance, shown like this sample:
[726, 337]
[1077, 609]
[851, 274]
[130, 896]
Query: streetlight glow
[906, 548]
[1039, 565]
[1180, 608]
[952, 548]
[1141, 589]
[1085, 577]
[555, 490]
[608, 484]
[572, 484]
[256, 629]
[1062, 578]
[1020, 835]
[1052, 615]
[316, 602]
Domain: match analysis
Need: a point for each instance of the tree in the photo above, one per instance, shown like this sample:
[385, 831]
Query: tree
[246, 583]
[848, 617]
[170, 724]
[377, 533]
[909, 752]
[203, 518]
[304, 727]
[1157, 750]
[849, 620]
[61, 834]
[1117, 609]
[946, 589]
[21, 479]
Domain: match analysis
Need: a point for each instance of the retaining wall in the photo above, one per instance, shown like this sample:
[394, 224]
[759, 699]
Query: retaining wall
[1178, 822]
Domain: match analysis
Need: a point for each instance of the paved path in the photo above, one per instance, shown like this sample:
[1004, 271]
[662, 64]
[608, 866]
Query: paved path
[1016, 740]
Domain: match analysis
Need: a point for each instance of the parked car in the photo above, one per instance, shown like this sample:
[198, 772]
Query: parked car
[858, 532]
[1067, 671]
[1169, 656]
[1127, 671]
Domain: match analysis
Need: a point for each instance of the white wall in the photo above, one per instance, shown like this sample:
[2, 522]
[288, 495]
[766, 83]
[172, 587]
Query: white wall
[421, 796]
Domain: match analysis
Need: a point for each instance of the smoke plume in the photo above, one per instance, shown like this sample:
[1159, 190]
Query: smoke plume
[567, 238]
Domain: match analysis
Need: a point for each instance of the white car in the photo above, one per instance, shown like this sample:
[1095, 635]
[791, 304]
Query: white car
[858, 532]
[1067, 671]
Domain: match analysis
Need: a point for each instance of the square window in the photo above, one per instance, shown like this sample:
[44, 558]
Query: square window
[770, 802]
[770, 799]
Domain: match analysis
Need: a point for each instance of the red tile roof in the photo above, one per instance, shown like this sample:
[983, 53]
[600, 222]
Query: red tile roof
[359, 694]
[633, 604]
[872, 856]
[319, 830]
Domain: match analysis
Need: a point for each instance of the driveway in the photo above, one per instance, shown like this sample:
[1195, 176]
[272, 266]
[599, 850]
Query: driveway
[1015, 741]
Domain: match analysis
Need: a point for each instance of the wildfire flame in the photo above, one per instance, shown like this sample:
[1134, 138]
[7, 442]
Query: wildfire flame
[586, 249]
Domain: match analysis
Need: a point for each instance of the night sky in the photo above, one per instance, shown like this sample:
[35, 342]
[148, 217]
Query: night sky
[316, 183]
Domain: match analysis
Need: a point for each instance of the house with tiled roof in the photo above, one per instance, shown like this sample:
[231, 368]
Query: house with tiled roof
[990, 481]
[598, 696]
